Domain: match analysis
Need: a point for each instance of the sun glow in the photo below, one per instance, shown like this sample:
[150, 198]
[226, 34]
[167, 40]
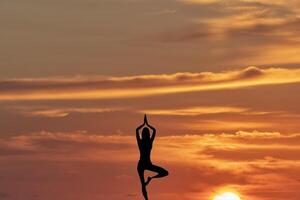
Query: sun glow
[227, 196]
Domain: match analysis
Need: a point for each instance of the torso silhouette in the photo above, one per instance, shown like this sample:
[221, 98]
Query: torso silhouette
[145, 148]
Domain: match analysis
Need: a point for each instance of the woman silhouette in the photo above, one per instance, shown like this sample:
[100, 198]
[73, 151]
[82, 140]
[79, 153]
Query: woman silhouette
[145, 147]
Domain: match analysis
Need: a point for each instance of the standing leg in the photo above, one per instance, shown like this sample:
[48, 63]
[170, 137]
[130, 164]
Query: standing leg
[141, 175]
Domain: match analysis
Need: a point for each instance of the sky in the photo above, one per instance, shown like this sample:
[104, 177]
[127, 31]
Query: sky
[219, 80]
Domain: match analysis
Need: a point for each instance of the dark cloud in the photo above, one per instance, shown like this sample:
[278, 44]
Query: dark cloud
[274, 30]
[251, 72]
[248, 154]
[276, 139]
[61, 144]
[257, 33]
[11, 151]
[200, 32]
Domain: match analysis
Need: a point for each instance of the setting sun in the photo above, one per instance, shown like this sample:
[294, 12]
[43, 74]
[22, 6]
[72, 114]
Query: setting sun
[227, 196]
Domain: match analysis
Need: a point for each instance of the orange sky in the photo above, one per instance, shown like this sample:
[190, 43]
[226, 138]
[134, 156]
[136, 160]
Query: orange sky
[218, 79]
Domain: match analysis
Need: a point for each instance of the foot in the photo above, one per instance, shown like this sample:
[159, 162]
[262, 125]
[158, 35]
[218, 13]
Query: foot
[148, 180]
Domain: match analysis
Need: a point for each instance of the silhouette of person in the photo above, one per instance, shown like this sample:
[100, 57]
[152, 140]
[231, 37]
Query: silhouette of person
[145, 147]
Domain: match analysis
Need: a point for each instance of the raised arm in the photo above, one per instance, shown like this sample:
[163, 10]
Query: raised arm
[138, 132]
[153, 132]
[151, 127]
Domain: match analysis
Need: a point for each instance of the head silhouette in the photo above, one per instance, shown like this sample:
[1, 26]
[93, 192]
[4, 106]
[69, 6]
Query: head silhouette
[145, 134]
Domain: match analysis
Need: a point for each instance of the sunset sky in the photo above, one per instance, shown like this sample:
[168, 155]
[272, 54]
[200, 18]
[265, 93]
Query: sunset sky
[220, 81]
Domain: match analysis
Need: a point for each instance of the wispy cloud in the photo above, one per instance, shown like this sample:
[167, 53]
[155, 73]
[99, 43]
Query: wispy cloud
[268, 143]
[194, 111]
[199, 1]
[144, 85]
[58, 111]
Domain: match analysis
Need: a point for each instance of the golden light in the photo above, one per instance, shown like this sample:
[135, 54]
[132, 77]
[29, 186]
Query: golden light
[227, 196]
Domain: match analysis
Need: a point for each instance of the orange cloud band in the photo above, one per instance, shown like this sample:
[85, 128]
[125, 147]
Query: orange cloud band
[140, 86]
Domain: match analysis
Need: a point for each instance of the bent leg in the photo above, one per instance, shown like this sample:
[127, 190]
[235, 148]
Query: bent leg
[141, 175]
[161, 172]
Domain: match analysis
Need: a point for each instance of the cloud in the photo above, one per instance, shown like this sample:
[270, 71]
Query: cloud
[165, 12]
[242, 25]
[282, 30]
[199, 1]
[265, 144]
[144, 85]
[239, 29]
[60, 146]
[220, 151]
[227, 125]
[35, 111]
[208, 110]
[199, 165]
[246, 154]
[194, 111]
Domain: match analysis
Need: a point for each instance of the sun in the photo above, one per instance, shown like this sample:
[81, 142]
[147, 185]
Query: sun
[227, 196]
